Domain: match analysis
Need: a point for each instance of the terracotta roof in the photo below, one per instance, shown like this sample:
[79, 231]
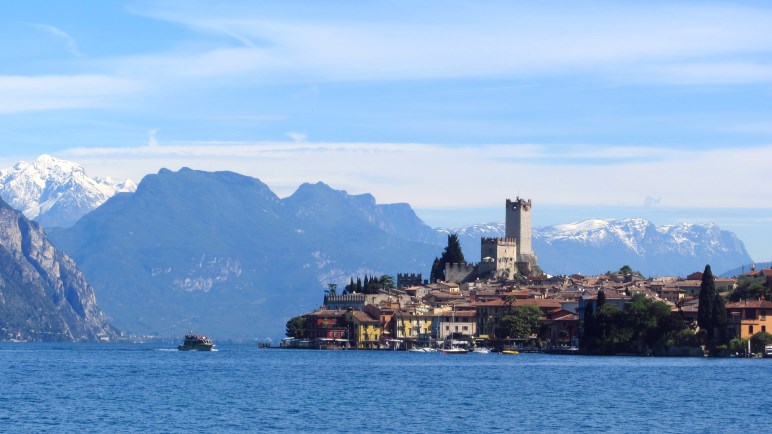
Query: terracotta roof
[541, 302]
[362, 316]
[750, 304]
[492, 303]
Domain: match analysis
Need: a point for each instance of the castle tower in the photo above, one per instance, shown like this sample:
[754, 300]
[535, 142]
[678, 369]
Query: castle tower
[518, 226]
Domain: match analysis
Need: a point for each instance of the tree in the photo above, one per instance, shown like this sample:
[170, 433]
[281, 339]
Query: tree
[332, 289]
[759, 341]
[711, 312]
[523, 322]
[296, 327]
[451, 255]
[601, 298]
[751, 288]
[386, 282]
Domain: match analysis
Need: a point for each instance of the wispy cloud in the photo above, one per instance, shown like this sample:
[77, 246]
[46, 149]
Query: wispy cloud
[69, 42]
[472, 175]
[49, 92]
[685, 44]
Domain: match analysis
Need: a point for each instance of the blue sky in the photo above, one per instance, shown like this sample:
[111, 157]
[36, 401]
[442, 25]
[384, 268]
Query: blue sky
[594, 109]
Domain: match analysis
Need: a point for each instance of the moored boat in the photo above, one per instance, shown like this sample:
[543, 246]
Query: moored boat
[511, 352]
[194, 342]
[454, 350]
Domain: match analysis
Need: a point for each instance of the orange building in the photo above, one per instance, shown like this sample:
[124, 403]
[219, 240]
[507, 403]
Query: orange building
[747, 317]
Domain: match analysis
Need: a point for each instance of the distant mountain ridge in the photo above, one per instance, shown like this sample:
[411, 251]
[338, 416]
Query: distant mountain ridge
[220, 252]
[596, 246]
[43, 295]
[55, 192]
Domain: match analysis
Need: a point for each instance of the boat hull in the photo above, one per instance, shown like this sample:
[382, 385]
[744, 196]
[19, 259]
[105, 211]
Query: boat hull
[197, 347]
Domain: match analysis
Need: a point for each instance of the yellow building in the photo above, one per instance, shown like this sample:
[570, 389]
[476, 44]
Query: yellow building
[365, 330]
[412, 325]
[748, 317]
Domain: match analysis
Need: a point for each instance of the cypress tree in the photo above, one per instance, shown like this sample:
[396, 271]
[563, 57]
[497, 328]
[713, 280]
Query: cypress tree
[451, 255]
[711, 312]
[601, 299]
[589, 334]
[436, 273]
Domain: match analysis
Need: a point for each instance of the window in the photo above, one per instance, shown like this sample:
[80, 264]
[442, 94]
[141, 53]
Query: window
[750, 329]
[466, 328]
[763, 328]
[447, 328]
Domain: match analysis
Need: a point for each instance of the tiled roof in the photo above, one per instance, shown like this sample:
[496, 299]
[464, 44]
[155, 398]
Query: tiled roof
[750, 304]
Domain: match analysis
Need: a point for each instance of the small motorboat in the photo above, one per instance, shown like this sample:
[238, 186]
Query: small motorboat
[511, 352]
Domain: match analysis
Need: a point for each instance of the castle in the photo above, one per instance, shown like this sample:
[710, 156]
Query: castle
[502, 257]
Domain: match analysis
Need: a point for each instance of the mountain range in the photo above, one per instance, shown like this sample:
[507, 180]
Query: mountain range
[595, 246]
[43, 295]
[56, 192]
[221, 253]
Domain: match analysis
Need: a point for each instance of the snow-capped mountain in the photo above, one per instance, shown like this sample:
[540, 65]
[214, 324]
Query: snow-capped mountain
[56, 192]
[596, 246]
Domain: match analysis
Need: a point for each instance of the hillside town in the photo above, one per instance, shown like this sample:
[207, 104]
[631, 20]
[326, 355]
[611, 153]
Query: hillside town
[505, 302]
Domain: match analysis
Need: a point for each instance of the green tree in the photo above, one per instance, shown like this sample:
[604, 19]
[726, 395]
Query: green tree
[386, 282]
[759, 341]
[711, 311]
[451, 255]
[522, 322]
[751, 288]
[601, 298]
[589, 332]
[332, 289]
[296, 327]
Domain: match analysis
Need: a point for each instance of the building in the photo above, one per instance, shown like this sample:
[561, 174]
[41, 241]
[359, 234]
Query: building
[365, 330]
[502, 257]
[748, 317]
[344, 301]
[328, 328]
[453, 325]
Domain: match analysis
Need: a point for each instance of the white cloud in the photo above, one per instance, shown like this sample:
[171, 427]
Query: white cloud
[683, 44]
[297, 137]
[439, 176]
[152, 142]
[21, 93]
[70, 45]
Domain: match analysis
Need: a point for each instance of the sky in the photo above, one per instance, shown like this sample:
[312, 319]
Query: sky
[592, 109]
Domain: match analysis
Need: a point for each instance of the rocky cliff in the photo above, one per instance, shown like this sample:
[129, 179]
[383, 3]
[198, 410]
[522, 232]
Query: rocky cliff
[43, 295]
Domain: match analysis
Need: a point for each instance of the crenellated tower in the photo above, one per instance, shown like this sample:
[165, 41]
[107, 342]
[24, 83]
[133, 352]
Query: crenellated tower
[518, 226]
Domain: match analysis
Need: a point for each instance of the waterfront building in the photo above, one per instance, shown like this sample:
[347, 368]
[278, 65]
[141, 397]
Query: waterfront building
[747, 317]
[365, 330]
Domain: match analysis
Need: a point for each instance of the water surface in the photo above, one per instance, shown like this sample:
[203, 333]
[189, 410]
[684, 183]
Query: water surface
[149, 388]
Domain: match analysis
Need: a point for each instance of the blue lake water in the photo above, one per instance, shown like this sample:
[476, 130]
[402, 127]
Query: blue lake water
[149, 388]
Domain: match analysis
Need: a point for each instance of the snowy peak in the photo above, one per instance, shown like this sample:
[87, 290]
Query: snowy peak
[56, 192]
[598, 245]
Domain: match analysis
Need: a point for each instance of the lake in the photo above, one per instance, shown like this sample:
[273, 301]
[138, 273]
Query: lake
[152, 388]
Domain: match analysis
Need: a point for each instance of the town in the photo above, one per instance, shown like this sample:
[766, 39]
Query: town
[507, 303]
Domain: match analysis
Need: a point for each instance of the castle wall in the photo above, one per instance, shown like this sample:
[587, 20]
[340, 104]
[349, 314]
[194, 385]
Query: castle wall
[460, 272]
[503, 256]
